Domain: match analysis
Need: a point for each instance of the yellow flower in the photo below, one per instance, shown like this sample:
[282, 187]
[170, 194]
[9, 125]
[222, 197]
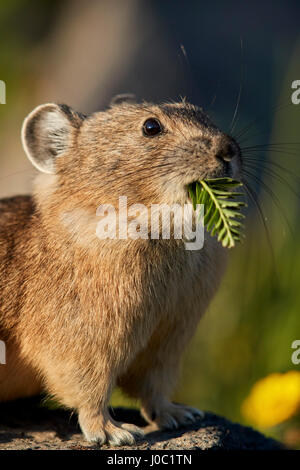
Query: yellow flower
[273, 399]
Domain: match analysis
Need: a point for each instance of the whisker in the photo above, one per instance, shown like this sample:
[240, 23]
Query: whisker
[16, 173]
[279, 151]
[247, 158]
[273, 197]
[273, 174]
[214, 96]
[271, 144]
[235, 114]
[260, 117]
[253, 196]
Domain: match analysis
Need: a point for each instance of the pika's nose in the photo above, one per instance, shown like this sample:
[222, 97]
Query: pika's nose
[226, 149]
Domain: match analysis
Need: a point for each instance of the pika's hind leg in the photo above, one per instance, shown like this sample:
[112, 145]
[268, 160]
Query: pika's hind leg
[156, 407]
[87, 388]
[153, 375]
[167, 415]
[100, 427]
[90, 397]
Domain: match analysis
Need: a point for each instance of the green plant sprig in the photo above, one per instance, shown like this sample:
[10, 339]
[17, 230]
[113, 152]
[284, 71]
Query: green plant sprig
[221, 208]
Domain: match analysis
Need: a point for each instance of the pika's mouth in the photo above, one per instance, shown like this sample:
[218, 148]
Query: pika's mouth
[222, 207]
[225, 172]
[191, 189]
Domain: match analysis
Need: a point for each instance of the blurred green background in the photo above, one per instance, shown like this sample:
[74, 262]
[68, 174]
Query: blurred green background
[82, 53]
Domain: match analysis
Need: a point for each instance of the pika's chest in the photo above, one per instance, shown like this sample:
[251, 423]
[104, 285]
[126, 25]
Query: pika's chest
[188, 278]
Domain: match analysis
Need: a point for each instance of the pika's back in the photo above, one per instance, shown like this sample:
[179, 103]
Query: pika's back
[15, 215]
[15, 211]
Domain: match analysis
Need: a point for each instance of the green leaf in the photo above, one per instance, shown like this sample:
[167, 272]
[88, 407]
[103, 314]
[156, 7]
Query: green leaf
[221, 208]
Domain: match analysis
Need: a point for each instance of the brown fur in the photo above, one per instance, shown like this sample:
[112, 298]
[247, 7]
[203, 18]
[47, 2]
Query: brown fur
[80, 315]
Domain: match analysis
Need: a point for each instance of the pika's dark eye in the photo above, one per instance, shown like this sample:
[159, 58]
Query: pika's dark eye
[152, 127]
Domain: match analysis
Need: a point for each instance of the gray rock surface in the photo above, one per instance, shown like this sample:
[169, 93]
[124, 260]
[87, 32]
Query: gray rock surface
[25, 424]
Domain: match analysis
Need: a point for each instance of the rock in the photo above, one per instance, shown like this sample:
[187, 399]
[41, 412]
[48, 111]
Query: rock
[25, 424]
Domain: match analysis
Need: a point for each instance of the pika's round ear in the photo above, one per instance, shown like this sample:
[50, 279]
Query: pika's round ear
[123, 98]
[47, 132]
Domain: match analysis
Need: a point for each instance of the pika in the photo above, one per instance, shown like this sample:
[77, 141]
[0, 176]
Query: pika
[79, 314]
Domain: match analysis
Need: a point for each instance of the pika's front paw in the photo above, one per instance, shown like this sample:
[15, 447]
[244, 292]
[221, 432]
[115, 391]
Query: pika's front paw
[173, 416]
[108, 431]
